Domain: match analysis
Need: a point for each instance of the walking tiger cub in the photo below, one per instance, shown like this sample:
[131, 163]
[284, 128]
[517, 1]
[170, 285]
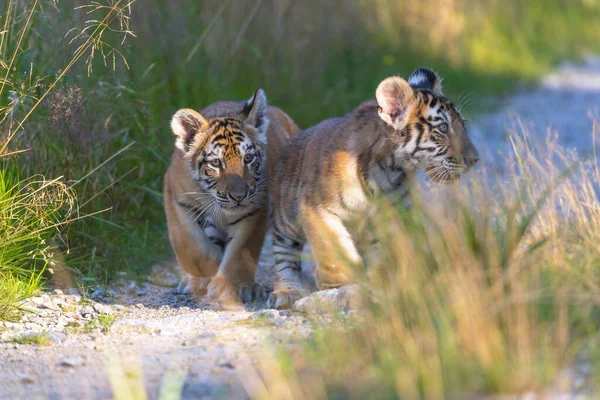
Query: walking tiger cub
[326, 175]
[216, 192]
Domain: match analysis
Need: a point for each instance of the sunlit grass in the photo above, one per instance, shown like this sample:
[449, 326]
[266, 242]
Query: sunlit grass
[36, 339]
[486, 288]
[35, 210]
[224, 50]
[32, 212]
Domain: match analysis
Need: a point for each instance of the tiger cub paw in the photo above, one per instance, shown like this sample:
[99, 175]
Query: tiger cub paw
[192, 285]
[255, 292]
[224, 292]
[285, 298]
[331, 278]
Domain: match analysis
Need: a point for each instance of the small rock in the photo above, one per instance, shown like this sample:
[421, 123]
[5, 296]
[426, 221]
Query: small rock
[58, 292]
[268, 313]
[129, 341]
[139, 305]
[143, 290]
[72, 361]
[59, 303]
[27, 378]
[225, 364]
[97, 293]
[119, 307]
[200, 339]
[71, 291]
[56, 337]
[33, 327]
[72, 315]
[37, 300]
[343, 299]
[133, 287]
[37, 320]
[12, 325]
[102, 309]
[49, 305]
[86, 310]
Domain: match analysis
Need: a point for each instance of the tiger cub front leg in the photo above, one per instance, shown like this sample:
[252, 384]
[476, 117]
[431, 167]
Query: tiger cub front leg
[287, 253]
[332, 246]
[234, 280]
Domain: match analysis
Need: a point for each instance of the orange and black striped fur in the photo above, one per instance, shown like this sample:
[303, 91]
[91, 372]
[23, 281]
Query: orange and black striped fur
[216, 193]
[326, 176]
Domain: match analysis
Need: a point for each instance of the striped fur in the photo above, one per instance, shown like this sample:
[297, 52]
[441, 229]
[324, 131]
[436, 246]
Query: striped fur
[327, 175]
[216, 192]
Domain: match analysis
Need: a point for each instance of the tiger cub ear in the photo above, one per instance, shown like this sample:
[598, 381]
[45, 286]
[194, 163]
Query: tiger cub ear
[424, 78]
[254, 110]
[395, 98]
[185, 124]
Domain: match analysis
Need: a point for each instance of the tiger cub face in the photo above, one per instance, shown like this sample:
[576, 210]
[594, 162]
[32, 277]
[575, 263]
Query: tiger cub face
[430, 132]
[226, 155]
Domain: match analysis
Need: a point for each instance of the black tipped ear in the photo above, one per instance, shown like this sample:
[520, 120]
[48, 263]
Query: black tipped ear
[395, 98]
[185, 124]
[426, 79]
[255, 110]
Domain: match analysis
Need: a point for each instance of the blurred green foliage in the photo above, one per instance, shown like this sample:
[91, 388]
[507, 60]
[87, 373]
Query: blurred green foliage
[315, 59]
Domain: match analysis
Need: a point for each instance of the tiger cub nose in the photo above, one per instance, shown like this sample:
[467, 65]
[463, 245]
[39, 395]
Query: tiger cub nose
[239, 196]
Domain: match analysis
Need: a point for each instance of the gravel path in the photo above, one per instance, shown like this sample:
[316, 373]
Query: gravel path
[170, 335]
[87, 340]
[566, 102]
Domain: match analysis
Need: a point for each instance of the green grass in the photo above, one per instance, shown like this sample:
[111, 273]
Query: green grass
[102, 322]
[106, 131]
[36, 339]
[30, 213]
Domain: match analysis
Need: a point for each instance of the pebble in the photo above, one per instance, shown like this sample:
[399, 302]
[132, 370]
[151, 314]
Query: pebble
[200, 339]
[33, 327]
[26, 378]
[56, 337]
[72, 361]
[86, 310]
[37, 300]
[225, 364]
[139, 305]
[342, 299]
[143, 290]
[267, 313]
[49, 305]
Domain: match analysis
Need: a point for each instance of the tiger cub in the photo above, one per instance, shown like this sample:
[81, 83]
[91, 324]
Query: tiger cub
[216, 193]
[326, 175]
